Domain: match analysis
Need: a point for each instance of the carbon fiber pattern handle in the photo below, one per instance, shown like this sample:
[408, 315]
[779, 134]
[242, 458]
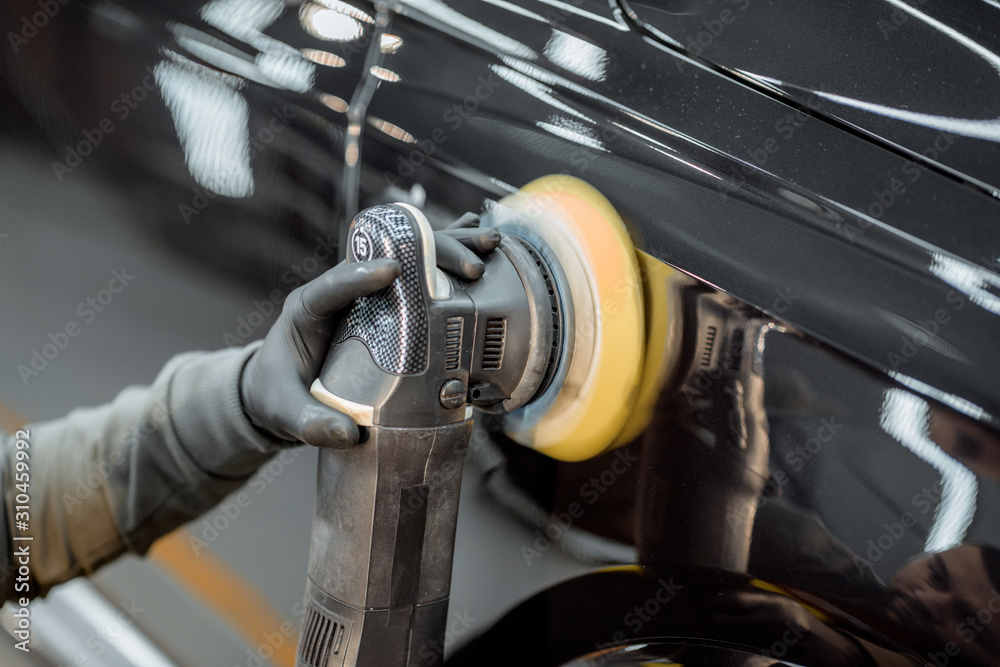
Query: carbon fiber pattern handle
[393, 322]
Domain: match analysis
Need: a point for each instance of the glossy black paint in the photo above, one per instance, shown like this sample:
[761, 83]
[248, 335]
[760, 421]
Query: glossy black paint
[906, 74]
[850, 275]
[758, 198]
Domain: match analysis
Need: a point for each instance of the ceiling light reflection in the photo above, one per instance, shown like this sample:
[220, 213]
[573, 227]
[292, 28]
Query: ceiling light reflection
[389, 43]
[572, 130]
[979, 285]
[384, 74]
[347, 9]
[212, 120]
[535, 89]
[329, 24]
[440, 11]
[323, 58]
[394, 131]
[577, 56]
[906, 418]
[336, 103]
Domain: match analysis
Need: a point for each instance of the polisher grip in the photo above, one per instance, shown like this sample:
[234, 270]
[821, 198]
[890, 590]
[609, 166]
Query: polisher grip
[392, 323]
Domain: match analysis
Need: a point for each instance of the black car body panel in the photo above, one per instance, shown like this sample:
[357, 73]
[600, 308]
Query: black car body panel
[762, 200]
[908, 74]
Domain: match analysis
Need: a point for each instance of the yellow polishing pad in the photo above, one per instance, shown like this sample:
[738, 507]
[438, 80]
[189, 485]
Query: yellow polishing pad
[601, 288]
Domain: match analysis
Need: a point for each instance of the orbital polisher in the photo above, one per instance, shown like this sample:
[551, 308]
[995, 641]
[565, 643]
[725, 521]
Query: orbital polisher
[551, 341]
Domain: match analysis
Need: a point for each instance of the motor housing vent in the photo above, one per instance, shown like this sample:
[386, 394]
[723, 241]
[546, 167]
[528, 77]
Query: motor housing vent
[321, 642]
[453, 343]
[496, 335]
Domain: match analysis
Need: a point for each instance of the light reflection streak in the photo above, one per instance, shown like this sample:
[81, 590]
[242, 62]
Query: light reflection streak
[535, 89]
[962, 405]
[346, 9]
[389, 43]
[664, 152]
[276, 63]
[502, 184]
[906, 418]
[643, 136]
[209, 112]
[394, 131]
[988, 129]
[570, 9]
[384, 74]
[973, 281]
[537, 73]
[511, 7]
[328, 24]
[241, 18]
[573, 131]
[323, 58]
[576, 55]
[212, 122]
[464, 25]
[336, 103]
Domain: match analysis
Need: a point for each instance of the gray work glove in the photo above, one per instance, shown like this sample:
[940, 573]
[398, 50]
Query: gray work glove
[275, 383]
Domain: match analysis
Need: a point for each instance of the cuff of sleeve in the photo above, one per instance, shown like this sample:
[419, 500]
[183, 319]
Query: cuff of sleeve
[209, 419]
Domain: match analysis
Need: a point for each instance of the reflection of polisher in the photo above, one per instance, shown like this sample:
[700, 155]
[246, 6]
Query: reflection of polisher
[550, 340]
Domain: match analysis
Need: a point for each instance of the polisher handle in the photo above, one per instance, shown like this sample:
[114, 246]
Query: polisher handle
[393, 322]
[384, 525]
[386, 363]
[383, 539]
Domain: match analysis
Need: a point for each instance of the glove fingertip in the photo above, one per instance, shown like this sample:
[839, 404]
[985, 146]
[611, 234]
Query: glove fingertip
[331, 429]
[473, 271]
[490, 239]
[380, 271]
[343, 433]
[466, 221]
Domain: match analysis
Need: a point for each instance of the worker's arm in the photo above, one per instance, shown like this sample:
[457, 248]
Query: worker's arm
[114, 478]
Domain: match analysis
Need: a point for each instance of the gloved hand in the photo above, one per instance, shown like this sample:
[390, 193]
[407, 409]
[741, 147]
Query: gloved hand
[275, 383]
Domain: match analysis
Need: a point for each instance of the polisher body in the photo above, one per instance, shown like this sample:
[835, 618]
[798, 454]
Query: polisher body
[408, 363]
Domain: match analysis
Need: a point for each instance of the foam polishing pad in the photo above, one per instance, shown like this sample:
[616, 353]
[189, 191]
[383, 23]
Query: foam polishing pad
[592, 395]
